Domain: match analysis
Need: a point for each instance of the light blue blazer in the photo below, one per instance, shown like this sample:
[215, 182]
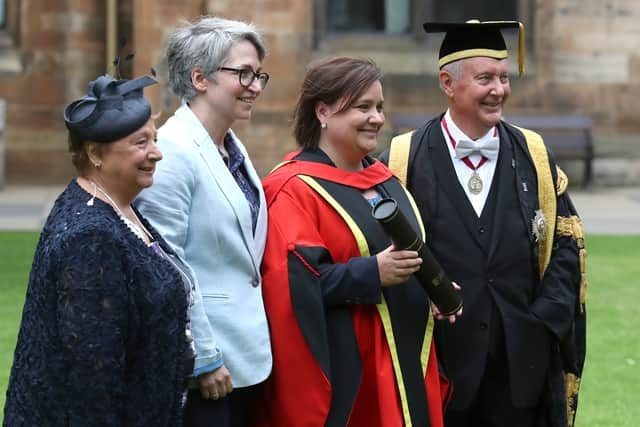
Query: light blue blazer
[199, 209]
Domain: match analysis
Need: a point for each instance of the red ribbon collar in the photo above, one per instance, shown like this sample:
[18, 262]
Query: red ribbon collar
[466, 160]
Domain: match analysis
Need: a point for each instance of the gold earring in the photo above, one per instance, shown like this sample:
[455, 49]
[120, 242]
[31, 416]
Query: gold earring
[98, 165]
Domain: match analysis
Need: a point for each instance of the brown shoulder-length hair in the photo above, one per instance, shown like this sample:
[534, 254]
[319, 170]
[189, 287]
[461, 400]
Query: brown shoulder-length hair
[330, 80]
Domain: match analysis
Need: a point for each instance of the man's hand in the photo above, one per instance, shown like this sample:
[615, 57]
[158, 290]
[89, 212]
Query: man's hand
[451, 317]
[215, 384]
[396, 267]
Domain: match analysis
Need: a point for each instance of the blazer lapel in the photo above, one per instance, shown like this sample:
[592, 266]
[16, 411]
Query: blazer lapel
[223, 178]
[446, 175]
[259, 238]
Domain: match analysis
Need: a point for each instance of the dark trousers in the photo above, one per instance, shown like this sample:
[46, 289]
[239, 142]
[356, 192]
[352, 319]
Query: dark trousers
[493, 406]
[233, 410]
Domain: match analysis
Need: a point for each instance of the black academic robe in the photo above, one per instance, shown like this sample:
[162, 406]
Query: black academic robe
[508, 311]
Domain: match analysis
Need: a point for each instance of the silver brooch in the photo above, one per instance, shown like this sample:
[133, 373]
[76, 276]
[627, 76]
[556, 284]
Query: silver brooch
[539, 226]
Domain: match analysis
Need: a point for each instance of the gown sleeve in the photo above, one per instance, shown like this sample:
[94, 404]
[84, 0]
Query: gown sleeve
[556, 304]
[356, 281]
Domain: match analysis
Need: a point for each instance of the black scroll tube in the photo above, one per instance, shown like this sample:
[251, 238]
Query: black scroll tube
[430, 275]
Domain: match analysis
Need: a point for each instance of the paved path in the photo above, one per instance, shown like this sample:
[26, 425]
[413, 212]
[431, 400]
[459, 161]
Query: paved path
[604, 211]
[26, 207]
[609, 210]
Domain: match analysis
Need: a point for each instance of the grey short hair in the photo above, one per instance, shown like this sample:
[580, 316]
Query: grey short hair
[454, 69]
[205, 43]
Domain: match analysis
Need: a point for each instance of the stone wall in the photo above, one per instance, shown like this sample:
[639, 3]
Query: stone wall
[60, 46]
[584, 56]
[287, 29]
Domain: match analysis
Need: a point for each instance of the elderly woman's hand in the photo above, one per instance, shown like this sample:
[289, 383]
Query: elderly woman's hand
[215, 384]
[396, 267]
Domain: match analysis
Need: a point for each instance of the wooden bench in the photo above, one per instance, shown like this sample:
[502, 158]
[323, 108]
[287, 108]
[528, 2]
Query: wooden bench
[568, 136]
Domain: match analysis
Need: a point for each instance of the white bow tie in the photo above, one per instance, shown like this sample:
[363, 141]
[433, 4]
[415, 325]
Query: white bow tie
[488, 148]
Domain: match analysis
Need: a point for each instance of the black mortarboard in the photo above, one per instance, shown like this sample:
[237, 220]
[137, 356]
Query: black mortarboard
[112, 109]
[475, 38]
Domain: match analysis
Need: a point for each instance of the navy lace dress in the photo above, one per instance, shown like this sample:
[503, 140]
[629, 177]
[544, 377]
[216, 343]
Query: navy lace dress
[102, 340]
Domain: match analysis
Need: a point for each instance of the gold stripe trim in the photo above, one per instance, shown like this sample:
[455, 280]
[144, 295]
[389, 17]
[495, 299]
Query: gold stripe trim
[416, 212]
[546, 195]
[383, 309]
[521, 42]
[399, 156]
[426, 344]
[399, 165]
[279, 165]
[355, 230]
[469, 53]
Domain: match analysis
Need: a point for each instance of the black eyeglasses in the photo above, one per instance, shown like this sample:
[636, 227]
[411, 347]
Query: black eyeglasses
[247, 76]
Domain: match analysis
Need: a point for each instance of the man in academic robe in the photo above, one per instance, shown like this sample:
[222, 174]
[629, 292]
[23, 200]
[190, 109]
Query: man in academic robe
[499, 221]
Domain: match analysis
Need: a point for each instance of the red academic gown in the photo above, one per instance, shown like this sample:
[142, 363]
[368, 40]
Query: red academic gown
[346, 353]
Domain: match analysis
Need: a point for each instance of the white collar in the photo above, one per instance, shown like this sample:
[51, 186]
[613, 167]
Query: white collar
[458, 134]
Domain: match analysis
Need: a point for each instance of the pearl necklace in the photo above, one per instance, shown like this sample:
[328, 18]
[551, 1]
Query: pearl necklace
[138, 230]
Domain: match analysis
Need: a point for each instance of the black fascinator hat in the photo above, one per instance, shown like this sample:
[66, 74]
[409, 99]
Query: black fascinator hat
[112, 109]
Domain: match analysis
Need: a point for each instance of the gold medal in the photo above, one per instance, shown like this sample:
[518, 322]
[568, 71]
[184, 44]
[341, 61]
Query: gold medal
[475, 183]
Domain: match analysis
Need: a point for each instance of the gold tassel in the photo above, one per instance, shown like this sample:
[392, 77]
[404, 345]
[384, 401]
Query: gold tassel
[521, 48]
[583, 278]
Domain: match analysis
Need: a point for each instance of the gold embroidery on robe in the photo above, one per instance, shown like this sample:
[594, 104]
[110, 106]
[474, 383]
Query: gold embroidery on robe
[572, 385]
[562, 183]
[573, 227]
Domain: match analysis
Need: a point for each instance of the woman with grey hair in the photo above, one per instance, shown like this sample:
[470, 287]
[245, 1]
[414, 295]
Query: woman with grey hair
[208, 202]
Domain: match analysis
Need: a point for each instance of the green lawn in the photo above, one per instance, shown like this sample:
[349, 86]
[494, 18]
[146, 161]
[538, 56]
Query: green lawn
[16, 254]
[612, 370]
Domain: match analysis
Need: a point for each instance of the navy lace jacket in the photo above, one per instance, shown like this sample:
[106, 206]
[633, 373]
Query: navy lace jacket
[102, 339]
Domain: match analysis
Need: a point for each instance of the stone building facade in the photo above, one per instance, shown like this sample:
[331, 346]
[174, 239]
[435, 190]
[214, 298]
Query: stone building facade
[583, 56]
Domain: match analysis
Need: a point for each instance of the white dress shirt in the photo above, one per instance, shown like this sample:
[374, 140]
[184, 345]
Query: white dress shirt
[464, 172]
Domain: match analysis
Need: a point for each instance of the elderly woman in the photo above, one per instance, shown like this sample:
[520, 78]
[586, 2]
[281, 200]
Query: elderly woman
[105, 336]
[349, 322]
[208, 203]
